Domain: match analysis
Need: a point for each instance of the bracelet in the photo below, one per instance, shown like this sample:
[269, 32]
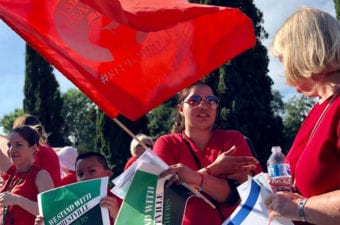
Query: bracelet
[200, 187]
[301, 209]
[208, 170]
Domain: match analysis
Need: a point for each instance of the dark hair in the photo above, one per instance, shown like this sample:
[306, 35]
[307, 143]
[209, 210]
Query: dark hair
[101, 158]
[178, 126]
[27, 133]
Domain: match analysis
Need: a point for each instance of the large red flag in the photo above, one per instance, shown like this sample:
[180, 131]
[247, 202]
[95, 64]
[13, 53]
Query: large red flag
[128, 56]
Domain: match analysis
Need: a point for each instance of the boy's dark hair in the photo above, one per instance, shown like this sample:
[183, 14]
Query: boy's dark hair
[101, 158]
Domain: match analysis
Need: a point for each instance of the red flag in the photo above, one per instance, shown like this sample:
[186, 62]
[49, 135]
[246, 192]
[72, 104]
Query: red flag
[129, 56]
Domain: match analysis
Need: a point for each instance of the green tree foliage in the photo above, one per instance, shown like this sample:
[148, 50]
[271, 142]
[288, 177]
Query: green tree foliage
[337, 8]
[277, 104]
[42, 96]
[161, 119]
[114, 142]
[7, 120]
[296, 110]
[80, 113]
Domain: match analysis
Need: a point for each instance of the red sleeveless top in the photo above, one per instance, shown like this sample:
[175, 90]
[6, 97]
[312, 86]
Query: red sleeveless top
[22, 184]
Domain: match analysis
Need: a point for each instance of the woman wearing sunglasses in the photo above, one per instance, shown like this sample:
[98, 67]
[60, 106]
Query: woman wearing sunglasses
[211, 160]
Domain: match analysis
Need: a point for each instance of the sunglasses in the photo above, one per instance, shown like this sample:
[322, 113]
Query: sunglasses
[195, 100]
[147, 145]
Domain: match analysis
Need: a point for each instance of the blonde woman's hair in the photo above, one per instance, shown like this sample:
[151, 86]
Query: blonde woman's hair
[308, 44]
[134, 142]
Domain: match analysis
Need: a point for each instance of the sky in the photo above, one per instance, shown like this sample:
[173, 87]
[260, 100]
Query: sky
[12, 53]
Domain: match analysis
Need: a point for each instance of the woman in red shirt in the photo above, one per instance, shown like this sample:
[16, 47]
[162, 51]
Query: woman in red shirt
[211, 160]
[22, 180]
[308, 45]
[45, 157]
[136, 149]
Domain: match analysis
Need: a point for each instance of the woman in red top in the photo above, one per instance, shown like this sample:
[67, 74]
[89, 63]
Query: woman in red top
[22, 180]
[136, 149]
[308, 45]
[45, 157]
[211, 160]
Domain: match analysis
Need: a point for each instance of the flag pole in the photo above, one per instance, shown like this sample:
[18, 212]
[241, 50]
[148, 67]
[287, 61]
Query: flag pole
[129, 132]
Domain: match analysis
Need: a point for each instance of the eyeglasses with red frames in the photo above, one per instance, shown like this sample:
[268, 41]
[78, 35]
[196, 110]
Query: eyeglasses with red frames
[211, 101]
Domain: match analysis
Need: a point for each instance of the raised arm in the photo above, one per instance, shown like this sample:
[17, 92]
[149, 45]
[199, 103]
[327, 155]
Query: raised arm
[5, 161]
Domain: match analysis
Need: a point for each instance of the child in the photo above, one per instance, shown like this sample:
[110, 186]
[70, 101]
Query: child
[90, 165]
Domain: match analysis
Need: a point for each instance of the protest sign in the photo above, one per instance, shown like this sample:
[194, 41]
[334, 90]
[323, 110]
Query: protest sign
[153, 203]
[252, 208]
[76, 203]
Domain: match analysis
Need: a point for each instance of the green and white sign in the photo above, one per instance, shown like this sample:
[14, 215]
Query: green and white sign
[149, 202]
[76, 204]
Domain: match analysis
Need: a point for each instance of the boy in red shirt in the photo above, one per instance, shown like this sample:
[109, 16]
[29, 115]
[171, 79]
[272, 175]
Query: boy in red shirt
[91, 165]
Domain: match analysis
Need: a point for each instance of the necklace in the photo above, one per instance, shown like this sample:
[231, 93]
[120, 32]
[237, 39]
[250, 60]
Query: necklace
[322, 115]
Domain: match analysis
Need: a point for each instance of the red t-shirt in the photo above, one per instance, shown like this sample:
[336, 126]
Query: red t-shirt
[47, 159]
[172, 149]
[130, 161]
[22, 184]
[315, 162]
[69, 178]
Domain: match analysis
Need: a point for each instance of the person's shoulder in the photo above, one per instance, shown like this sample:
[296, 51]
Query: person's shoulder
[11, 170]
[336, 101]
[36, 168]
[169, 137]
[45, 149]
[334, 108]
[167, 141]
[129, 162]
[39, 172]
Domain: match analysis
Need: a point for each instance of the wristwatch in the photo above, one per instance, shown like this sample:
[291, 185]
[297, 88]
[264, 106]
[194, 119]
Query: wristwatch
[301, 209]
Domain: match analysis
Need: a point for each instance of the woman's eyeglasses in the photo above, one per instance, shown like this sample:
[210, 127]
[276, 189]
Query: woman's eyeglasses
[147, 145]
[195, 100]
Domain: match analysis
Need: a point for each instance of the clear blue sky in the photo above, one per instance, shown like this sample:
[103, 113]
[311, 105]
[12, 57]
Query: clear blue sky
[12, 52]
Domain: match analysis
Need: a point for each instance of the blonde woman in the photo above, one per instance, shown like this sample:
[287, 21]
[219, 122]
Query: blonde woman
[136, 149]
[308, 45]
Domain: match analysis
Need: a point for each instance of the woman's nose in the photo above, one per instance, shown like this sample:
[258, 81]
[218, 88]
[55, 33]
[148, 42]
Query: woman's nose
[203, 104]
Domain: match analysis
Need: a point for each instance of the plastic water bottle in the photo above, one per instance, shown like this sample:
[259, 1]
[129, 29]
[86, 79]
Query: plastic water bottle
[279, 170]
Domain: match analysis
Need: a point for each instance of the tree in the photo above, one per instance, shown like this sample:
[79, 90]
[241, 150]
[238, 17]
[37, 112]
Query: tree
[296, 110]
[7, 120]
[113, 142]
[161, 119]
[80, 113]
[277, 104]
[337, 8]
[42, 96]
